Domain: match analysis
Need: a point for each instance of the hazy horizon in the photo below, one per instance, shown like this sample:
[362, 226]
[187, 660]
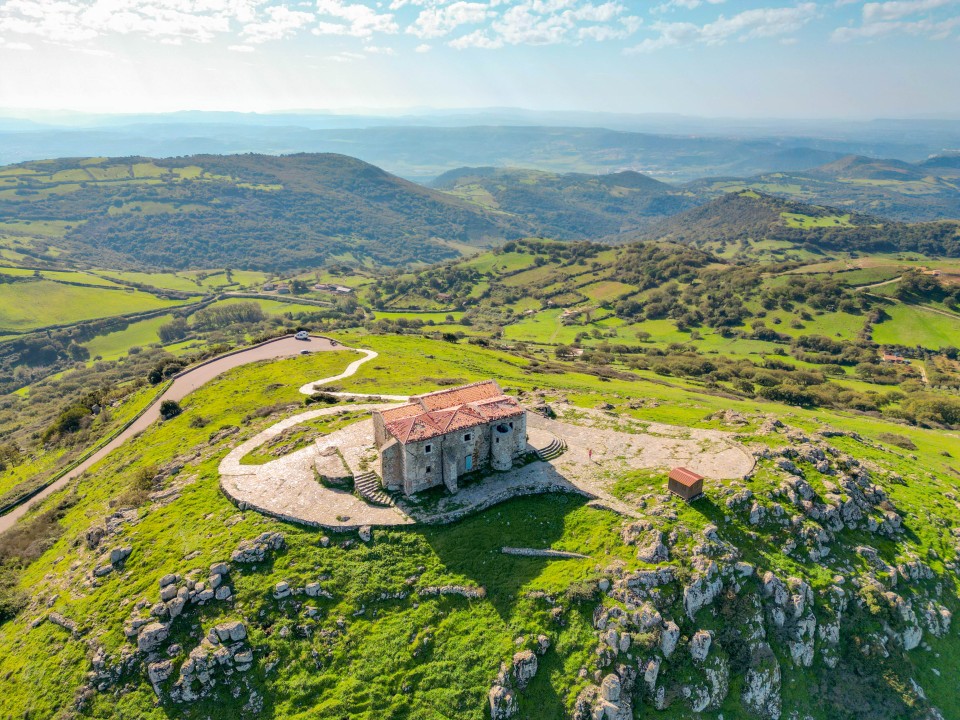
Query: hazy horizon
[703, 58]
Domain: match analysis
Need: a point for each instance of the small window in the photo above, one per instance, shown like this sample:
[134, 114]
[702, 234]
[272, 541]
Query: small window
[429, 469]
[467, 437]
[428, 449]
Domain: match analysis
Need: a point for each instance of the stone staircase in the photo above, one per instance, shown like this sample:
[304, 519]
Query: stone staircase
[368, 486]
[555, 449]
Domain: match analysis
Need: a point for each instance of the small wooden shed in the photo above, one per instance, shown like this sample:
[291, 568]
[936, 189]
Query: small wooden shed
[685, 483]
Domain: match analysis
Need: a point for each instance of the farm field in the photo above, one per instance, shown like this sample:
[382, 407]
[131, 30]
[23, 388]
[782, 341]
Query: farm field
[29, 305]
[911, 325]
[116, 344]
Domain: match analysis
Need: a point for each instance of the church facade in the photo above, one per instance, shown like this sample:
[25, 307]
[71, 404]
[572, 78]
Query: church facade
[438, 437]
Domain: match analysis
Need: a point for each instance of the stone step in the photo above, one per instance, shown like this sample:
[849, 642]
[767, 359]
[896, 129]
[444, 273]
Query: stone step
[555, 449]
[368, 487]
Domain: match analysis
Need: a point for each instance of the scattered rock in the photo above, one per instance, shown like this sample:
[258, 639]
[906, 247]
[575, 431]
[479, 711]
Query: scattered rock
[524, 668]
[503, 703]
[254, 551]
[150, 636]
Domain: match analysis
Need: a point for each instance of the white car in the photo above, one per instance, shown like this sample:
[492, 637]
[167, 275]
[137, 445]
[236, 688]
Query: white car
[302, 335]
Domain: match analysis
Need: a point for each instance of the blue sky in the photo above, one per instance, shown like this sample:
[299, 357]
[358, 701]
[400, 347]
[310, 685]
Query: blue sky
[844, 58]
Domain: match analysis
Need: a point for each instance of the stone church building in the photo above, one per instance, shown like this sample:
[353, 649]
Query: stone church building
[438, 437]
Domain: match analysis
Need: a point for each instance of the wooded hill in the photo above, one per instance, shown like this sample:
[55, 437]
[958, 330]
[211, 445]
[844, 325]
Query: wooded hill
[573, 206]
[245, 211]
[897, 190]
[752, 216]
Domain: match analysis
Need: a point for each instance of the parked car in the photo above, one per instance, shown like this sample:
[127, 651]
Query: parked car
[302, 335]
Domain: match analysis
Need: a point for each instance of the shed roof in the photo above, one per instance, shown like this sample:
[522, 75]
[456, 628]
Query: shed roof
[684, 476]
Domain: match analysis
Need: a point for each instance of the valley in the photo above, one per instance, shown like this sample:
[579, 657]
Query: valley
[202, 560]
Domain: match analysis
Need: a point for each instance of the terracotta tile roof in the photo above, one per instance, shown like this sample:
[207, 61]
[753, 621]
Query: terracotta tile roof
[403, 411]
[459, 395]
[444, 411]
[684, 476]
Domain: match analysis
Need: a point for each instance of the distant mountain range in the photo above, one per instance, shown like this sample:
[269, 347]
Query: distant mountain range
[425, 145]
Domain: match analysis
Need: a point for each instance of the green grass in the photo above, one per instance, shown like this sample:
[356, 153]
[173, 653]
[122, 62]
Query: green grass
[913, 325]
[606, 290]
[413, 656]
[29, 305]
[798, 220]
[271, 307]
[116, 344]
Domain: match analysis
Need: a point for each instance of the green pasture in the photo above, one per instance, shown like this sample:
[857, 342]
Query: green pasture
[913, 325]
[116, 344]
[29, 305]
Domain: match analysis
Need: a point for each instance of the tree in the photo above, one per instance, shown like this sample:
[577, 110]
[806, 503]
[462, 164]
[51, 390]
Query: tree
[170, 409]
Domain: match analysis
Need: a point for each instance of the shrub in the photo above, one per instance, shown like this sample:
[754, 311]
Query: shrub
[170, 409]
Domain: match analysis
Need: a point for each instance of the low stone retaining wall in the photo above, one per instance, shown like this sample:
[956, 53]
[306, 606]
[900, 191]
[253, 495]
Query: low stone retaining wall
[534, 552]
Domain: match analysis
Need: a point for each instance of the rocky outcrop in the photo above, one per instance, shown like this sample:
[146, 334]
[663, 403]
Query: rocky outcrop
[761, 686]
[700, 645]
[524, 668]
[503, 703]
[256, 550]
[221, 653]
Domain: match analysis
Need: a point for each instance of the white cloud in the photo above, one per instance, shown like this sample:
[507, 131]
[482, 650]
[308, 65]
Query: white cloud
[281, 22]
[747, 25]
[240, 48]
[476, 39]
[880, 19]
[436, 22]
[935, 30]
[683, 5]
[354, 19]
[347, 57]
[897, 9]
[378, 50]
[422, 48]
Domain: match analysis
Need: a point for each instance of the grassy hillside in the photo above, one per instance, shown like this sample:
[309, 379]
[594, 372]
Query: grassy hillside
[571, 206]
[247, 211]
[896, 190]
[751, 219]
[375, 647]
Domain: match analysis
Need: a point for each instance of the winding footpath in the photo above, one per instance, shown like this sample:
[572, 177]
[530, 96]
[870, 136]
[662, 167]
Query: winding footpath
[184, 384]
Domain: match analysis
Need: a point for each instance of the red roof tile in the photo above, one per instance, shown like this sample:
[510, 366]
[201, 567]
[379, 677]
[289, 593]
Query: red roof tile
[444, 411]
[684, 476]
[459, 395]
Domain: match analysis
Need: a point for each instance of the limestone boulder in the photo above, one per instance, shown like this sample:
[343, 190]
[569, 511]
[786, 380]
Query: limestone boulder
[151, 635]
[610, 688]
[669, 637]
[503, 703]
[700, 645]
[524, 668]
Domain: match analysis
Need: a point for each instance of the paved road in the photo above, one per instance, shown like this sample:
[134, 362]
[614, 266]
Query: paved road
[182, 386]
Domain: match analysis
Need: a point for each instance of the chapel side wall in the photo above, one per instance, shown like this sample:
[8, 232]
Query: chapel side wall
[380, 434]
[391, 465]
[454, 444]
[415, 463]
